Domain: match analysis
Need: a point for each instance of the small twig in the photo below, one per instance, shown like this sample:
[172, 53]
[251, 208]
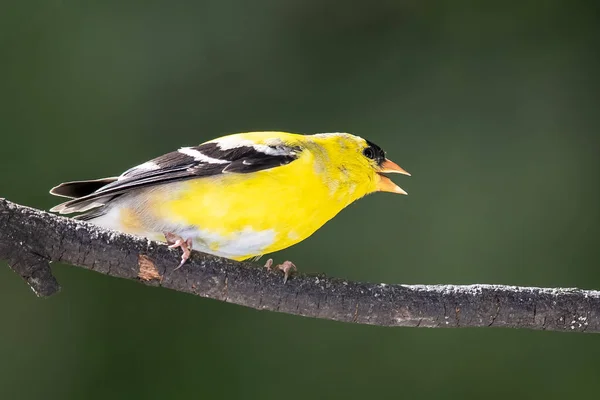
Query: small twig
[30, 239]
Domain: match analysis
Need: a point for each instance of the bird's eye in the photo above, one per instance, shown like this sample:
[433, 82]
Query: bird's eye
[369, 153]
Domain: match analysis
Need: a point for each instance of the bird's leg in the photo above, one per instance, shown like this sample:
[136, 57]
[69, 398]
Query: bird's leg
[286, 267]
[174, 241]
[269, 264]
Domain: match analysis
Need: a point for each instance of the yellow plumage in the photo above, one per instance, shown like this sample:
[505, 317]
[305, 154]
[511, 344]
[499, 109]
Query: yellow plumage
[258, 208]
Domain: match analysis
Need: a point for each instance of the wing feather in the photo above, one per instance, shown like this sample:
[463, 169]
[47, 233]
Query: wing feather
[208, 159]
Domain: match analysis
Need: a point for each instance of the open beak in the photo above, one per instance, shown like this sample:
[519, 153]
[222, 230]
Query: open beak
[385, 184]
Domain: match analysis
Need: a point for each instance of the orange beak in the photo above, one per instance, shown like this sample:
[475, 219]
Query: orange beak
[390, 167]
[385, 184]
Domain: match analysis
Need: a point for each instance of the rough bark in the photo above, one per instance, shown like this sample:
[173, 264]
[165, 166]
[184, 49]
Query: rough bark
[30, 239]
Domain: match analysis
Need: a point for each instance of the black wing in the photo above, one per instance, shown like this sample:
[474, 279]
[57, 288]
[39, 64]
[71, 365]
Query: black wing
[208, 159]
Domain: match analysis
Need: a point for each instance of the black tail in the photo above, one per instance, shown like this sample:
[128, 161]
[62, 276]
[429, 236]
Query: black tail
[77, 189]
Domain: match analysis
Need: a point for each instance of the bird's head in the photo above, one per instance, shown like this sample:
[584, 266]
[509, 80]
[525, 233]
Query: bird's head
[361, 163]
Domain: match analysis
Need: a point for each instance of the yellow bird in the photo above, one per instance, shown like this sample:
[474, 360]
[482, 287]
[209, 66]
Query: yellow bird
[239, 196]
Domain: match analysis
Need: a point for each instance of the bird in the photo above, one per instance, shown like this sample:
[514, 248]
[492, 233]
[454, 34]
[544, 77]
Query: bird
[239, 196]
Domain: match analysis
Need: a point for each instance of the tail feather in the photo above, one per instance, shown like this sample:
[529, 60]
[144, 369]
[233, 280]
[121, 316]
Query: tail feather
[78, 189]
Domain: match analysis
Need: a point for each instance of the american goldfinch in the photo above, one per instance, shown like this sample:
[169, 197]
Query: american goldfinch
[239, 196]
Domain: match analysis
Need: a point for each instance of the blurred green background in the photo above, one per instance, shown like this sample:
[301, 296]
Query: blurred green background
[492, 107]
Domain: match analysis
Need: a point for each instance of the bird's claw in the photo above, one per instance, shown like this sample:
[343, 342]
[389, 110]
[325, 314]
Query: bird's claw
[287, 267]
[174, 241]
[269, 264]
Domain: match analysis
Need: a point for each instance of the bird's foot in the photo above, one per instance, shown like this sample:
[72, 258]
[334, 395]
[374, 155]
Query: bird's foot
[287, 267]
[174, 241]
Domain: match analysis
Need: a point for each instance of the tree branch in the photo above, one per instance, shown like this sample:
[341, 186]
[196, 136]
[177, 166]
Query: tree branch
[30, 239]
